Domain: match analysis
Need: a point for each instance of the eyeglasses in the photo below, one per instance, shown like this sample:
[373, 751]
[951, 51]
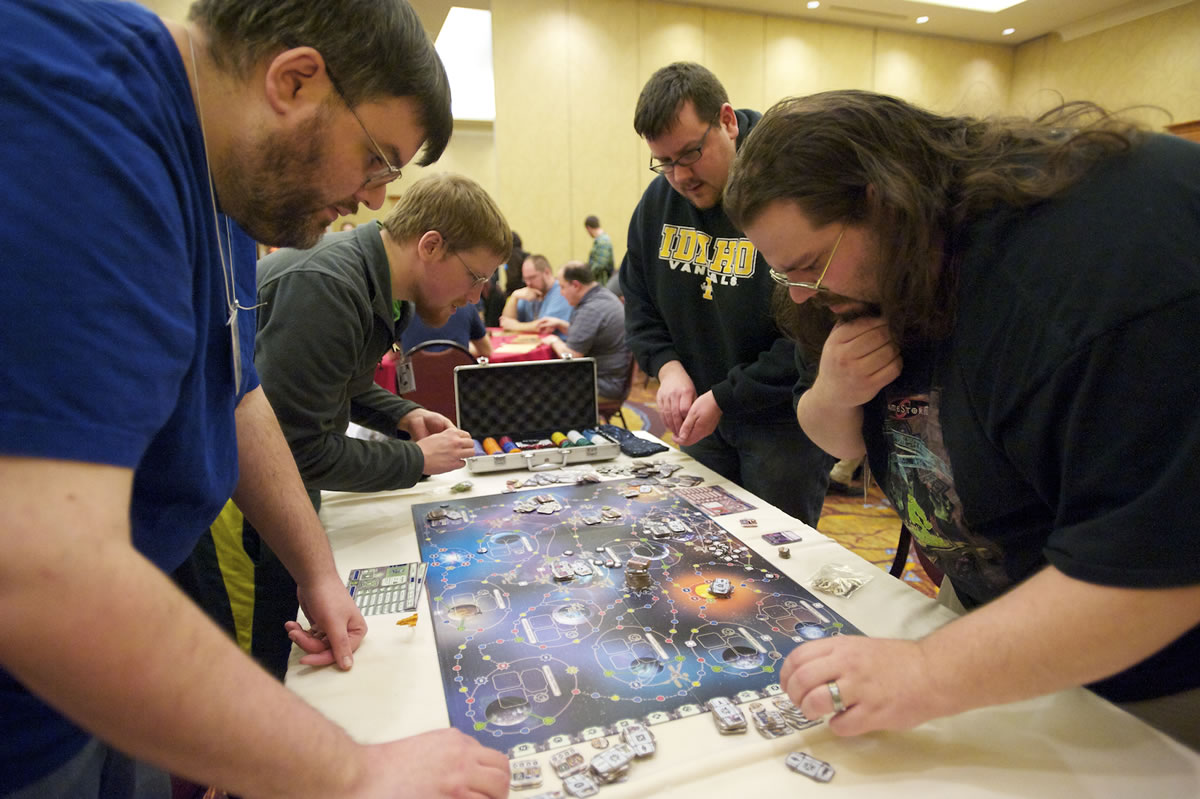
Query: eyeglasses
[380, 177]
[686, 159]
[476, 279]
[781, 278]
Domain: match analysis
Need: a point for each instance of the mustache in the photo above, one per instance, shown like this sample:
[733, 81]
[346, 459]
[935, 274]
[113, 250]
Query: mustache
[861, 307]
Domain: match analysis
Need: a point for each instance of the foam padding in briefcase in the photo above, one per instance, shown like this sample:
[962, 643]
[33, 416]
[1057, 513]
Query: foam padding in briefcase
[529, 400]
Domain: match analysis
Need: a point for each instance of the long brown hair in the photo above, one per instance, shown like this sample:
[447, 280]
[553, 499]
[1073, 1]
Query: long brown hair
[916, 179]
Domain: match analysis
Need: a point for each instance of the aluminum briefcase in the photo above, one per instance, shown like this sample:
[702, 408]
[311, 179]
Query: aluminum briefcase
[530, 401]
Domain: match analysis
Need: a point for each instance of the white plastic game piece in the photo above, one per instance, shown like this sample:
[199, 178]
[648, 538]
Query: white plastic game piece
[809, 766]
[639, 739]
[727, 716]
[580, 786]
[610, 762]
[567, 762]
[525, 774]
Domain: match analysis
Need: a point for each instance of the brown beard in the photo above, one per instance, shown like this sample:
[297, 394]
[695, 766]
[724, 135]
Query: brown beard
[273, 190]
[809, 323]
[863, 308]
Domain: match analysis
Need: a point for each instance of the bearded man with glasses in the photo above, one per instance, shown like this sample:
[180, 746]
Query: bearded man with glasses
[182, 143]
[697, 302]
[1005, 313]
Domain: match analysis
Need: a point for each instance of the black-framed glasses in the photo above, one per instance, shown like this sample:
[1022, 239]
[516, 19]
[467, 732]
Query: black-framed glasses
[380, 177]
[476, 278]
[781, 278]
[687, 158]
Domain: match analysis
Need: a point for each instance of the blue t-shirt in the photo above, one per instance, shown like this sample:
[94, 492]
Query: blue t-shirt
[464, 327]
[115, 344]
[553, 304]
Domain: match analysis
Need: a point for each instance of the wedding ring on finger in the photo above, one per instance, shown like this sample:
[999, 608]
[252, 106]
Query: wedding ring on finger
[835, 693]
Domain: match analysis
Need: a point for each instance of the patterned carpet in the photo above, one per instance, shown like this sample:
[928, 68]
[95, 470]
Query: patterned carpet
[868, 526]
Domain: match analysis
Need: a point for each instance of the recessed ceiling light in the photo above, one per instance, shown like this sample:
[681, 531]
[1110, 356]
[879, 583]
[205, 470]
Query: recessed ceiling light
[1008, 31]
[813, 4]
[922, 20]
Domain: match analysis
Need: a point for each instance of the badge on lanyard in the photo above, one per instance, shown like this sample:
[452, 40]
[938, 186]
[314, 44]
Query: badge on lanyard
[405, 380]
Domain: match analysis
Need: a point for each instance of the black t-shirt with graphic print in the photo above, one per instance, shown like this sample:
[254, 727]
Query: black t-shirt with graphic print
[1059, 423]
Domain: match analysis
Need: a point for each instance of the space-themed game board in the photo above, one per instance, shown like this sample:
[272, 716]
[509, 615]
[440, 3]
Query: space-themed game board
[543, 641]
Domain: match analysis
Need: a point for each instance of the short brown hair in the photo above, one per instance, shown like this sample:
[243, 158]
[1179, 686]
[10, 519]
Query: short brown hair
[455, 206]
[664, 95]
[540, 262]
[376, 48]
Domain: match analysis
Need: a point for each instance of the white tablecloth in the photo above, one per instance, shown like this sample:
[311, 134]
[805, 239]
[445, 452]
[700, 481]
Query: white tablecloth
[1068, 745]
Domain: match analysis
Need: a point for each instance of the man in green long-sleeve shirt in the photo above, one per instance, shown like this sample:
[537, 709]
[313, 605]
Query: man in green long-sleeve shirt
[326, 317]
[600, 258]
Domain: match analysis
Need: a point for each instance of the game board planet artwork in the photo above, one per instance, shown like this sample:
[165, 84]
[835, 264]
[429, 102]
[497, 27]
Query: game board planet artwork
[543, 642]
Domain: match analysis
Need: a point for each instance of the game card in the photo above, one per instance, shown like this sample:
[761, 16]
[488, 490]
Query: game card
[781, 537]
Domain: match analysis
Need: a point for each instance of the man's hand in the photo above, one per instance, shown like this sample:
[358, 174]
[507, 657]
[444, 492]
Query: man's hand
[337, 625]
[557, 344]
[676, 393]
[701, 420]
[422, 423]
[527, 293]
[551, 324]
[885, 684]
[858, 359]
[443, 764]
[446, 451]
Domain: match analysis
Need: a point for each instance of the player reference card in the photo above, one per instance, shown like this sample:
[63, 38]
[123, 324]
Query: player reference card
[713, 500]
[387, 589]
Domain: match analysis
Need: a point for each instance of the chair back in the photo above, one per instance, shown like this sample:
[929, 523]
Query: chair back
[433, 373]
[609, 407]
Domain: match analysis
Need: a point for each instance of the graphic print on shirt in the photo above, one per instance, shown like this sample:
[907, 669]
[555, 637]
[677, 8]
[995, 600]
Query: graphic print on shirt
[920, 484]
[717, 262]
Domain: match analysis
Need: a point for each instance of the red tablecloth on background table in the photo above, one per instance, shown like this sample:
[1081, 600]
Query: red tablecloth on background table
[509, 347]
[506, 348]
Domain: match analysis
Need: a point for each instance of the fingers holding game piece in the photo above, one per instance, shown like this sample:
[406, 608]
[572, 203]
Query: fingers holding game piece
[421, 423]
[701, 420]
[861, 684]
[676, 393]
[446, 451]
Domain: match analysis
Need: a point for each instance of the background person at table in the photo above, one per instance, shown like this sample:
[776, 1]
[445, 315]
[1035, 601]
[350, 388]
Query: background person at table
[697, 299]
[328, 315]
[1031, 417]
[107, 483]
[507, 278]
[464, 327]
[539, 297]
[596, 328]
[600, 257]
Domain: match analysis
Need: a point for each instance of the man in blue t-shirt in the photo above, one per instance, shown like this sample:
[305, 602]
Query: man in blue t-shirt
[539, 298]
[464, 328]
[182, 144]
